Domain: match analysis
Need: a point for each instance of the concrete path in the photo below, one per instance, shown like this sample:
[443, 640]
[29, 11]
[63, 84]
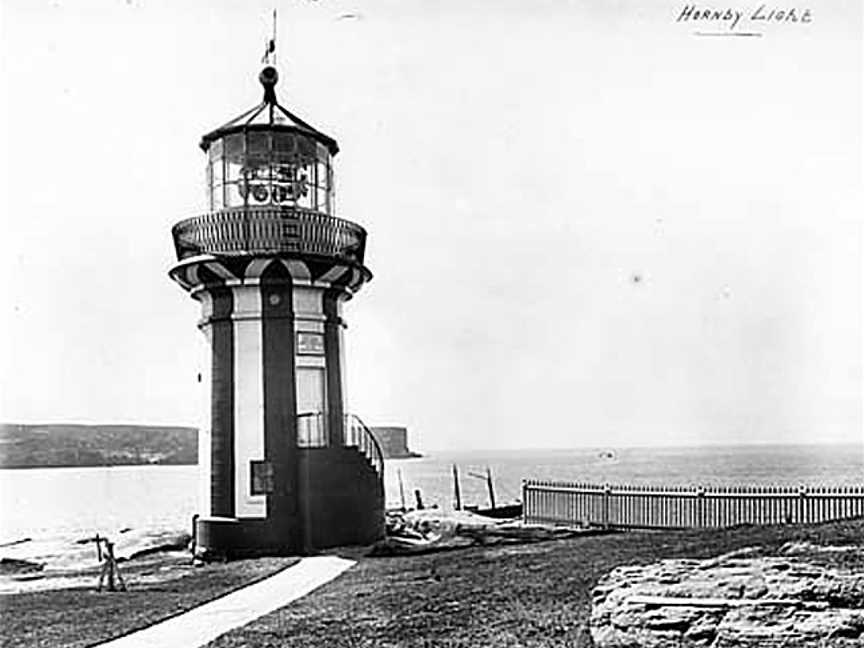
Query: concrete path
[204, 623]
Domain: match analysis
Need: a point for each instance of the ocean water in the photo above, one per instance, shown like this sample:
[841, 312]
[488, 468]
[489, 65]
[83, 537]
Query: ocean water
[55, 507]
[781, 465]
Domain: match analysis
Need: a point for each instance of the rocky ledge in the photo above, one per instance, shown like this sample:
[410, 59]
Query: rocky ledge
[803, 595]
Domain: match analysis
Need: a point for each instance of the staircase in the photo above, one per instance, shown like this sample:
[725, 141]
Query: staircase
[312, 434]
[344, 496]
[358, 435]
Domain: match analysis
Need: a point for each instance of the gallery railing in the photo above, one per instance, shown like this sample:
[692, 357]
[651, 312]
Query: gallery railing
[269, 230]
[660, 507]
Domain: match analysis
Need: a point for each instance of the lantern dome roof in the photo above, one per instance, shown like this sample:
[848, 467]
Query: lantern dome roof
[269, 115]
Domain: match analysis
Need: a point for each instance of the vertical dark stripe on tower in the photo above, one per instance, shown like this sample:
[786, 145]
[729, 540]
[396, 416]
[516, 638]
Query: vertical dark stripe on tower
[335, 406]
[222, 403]
[280, 404]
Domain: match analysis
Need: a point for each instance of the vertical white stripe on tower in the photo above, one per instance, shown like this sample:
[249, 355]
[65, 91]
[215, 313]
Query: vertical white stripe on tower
[343, 366]
[308, 309]
[204, 386]
[204, 391]
[248, 398]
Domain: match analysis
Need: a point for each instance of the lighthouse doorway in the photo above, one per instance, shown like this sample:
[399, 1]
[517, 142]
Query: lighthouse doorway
[311, 407]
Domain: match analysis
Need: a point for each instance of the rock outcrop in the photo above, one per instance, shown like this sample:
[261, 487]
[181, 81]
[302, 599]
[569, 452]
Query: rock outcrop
[742, 599]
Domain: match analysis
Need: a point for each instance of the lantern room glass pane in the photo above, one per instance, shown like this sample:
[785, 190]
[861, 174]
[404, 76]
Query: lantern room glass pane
[323, 176]
[233, 170]
[216, 172]
[258, 144]
[306, 147]
[305, 195]
[234, 194]
[234, 158]
[216, 194]
[323, 154]
[257, 168]
[283, 143]
[215, 150]
[234, 149]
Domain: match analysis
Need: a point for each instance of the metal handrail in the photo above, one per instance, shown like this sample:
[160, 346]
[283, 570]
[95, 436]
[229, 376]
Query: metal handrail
[237, 231]
[359, 435]
[312, 434]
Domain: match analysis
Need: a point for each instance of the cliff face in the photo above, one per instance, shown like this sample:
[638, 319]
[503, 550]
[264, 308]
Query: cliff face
[393, 442]
[56, 445]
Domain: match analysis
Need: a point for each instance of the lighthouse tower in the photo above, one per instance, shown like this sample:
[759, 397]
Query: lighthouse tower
[285, 469]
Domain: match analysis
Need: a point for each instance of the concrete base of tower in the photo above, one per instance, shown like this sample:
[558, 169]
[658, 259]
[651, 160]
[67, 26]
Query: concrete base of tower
[340, 500]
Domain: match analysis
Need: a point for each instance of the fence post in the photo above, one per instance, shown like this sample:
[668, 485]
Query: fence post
[524, 502]
[802, 495]
[700, 507]
[607, 492]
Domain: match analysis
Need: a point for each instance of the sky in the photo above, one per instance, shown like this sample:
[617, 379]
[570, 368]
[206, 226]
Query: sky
[588, 225]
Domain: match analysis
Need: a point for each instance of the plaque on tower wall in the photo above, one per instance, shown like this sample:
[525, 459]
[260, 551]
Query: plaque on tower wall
[310, 343]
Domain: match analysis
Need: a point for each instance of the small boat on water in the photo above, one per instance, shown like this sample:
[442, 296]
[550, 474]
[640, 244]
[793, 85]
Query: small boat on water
[505, 512]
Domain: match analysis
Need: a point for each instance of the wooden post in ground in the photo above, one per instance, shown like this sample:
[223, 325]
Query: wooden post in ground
[607, 494]
[524, 502]
[700, 508]
[491, 487]
[401, 490]
[457, 495]
[802, 495]
[418, 498]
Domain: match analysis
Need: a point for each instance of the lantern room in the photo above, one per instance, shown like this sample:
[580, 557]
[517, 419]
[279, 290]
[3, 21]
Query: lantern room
[270, 190]
[269, 157]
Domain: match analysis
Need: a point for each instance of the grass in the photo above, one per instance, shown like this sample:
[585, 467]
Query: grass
[77, 617]
[505, 595]
[510, 595]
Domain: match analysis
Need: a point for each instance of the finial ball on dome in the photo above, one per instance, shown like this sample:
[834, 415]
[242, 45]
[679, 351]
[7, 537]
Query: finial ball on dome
[268, 77]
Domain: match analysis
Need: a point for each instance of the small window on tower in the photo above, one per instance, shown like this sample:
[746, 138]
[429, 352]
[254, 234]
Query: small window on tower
[262, 477]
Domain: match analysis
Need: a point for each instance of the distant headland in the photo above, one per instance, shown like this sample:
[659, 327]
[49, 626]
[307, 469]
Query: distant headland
[393, 441]
[57, 445]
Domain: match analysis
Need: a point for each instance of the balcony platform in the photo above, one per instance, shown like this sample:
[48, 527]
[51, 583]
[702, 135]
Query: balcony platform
[290, 232]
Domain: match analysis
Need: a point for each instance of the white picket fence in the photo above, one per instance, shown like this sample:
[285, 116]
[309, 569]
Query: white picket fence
[660, 507]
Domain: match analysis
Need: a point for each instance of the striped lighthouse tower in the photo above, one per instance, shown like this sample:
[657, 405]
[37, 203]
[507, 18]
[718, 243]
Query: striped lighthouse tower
[285, 469]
